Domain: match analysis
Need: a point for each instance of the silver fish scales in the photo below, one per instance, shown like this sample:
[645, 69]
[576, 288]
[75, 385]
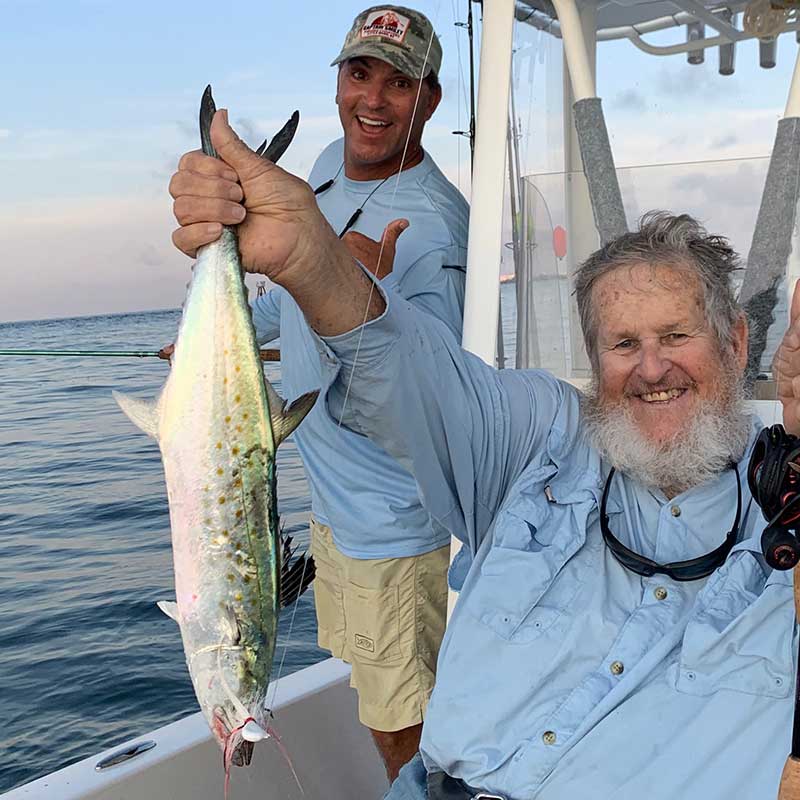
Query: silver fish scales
[218, 423]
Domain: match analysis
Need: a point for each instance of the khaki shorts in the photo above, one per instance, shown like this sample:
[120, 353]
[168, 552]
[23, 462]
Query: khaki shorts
[385, 617]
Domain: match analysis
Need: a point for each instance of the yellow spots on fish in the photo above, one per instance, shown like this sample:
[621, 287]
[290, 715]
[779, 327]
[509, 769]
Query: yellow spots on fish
[224, 534]
[231, 577]
[237, 398]
[221, 500]
[207, 521]
[238, 429]
[238, 597]
[227, 419]
[239, 513]
[225, 380]
[238, 368]
[219, 445]
[237, 482]
[245, 415]
[227, 352]
[235, 451]
[220, 471]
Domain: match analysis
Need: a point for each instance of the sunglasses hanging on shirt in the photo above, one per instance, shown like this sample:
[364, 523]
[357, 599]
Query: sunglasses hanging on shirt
[691, 570]
[323, 187]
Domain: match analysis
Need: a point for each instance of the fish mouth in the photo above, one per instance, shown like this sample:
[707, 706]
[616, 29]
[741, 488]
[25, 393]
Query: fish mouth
[238, 742]
[242, 754]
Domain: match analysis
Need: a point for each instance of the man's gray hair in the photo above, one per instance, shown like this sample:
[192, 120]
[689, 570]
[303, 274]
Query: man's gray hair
[676, 241]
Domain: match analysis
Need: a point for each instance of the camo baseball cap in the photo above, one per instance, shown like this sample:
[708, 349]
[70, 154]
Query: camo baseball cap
[398, 35]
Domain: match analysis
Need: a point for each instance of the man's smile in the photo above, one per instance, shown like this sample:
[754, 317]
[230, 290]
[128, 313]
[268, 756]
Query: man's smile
[371, 126]
[662, 396]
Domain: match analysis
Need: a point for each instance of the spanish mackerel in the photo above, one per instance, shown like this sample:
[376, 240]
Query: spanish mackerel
[218, 422]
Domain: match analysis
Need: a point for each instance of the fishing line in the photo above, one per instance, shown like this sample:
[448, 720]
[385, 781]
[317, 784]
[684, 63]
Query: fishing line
[269, 354]
[110, 353]
[288, 636]
[391, 209]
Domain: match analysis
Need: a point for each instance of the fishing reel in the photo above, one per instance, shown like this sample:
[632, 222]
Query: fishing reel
[774, 479]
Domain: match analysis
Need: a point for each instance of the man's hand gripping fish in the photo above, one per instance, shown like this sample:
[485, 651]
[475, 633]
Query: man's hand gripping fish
[218, 422]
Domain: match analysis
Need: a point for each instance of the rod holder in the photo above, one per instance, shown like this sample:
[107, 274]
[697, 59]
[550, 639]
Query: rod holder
[727, 52]
[767, 52]
[695, 31]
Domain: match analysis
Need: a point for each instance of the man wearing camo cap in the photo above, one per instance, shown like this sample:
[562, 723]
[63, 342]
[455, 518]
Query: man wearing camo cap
[380, 590]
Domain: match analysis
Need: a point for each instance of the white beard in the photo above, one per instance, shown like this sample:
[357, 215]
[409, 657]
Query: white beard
[713, 439]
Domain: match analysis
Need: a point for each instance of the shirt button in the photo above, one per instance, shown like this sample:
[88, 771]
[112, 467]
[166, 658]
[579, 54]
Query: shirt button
[617, 668]
[660, 593]
[549, 737]
[676, 511]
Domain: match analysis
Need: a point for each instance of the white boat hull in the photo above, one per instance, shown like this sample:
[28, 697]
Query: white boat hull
[316, 717]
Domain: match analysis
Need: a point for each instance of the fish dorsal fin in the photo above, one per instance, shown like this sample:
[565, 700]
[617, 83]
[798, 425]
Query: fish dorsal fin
[170, 608]
[285, 418]
[296, 575]
[142, 413]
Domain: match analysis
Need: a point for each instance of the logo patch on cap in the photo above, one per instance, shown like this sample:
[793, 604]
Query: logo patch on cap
[386, 24]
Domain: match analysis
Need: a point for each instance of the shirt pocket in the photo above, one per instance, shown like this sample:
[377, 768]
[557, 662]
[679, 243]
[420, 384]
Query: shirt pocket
[740, 637]
[533, 571]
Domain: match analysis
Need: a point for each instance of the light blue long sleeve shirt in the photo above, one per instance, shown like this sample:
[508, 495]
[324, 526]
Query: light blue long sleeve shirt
[562, 675]
[370, 502]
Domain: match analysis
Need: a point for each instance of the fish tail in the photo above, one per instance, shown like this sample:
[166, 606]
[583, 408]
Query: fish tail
[207, 111]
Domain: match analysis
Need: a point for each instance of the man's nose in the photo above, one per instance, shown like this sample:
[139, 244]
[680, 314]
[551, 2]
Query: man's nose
[374, 95]
[653, 361]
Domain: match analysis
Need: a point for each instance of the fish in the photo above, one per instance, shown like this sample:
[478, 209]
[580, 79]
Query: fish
[218, 422]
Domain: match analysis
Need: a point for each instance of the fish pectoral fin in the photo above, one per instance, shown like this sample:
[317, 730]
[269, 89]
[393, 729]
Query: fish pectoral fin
[280, 141]
[285, 418]
[296, 576]
[142, 413]
[170, 608]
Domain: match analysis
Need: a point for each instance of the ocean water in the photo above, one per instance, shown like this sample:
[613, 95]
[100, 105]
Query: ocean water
[86, 659]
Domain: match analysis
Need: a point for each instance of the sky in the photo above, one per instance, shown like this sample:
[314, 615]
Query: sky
[100, 98]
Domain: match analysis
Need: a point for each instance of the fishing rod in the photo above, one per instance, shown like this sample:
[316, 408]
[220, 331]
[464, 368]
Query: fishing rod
[266, 355]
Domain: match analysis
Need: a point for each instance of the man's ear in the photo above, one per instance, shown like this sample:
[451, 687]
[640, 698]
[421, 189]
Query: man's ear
[433, 102]
[338, 79]
[740, 341]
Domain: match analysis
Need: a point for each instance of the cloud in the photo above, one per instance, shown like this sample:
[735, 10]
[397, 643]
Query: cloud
[630, 99]
[102, 255]
[693, 82]
[657, 137]
[4, 133]
[727, 140]
[246, 128]
[150, 256]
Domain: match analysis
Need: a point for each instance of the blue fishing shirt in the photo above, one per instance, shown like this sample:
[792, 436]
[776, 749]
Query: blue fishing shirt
[562, 675]
[370, 502]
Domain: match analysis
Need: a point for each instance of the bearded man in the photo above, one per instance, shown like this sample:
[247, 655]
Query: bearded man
[618, 633]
